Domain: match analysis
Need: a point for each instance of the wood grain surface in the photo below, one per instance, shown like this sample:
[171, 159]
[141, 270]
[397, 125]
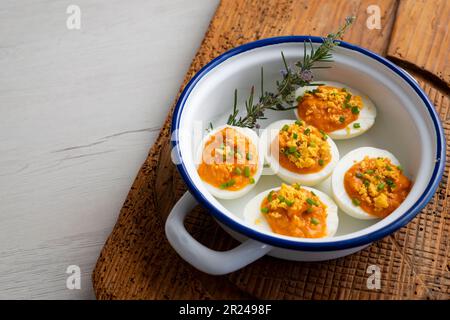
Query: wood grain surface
[138, 263]
[421, 37]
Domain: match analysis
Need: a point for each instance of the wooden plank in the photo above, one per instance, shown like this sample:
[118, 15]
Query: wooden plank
[238, 22]
[421, 36]
[137, 261]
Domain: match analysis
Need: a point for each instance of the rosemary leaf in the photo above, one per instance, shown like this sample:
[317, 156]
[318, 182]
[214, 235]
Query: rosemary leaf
[293, 78]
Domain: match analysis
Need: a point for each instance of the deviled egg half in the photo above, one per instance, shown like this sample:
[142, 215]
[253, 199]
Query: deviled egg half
[368, 183]
[229, 162]
[293, 210]
[299, 153]
[338, 110]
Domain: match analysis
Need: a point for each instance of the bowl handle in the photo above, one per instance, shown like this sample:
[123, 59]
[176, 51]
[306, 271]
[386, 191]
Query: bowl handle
[201, 257]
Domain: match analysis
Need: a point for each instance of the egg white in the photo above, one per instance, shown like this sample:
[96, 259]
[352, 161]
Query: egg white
[227, 194]
[254, 217]
[337, 180]
[308, 179]
[366, 118]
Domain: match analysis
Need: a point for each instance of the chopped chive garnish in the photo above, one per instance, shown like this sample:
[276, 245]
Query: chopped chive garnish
[252, 180]
[295, 136]
[356, 202]
[366, 183]
[400, 168]
[297, 154]
[324, 135]
[311, 202]
[298, 122]
[314, 221]
[285, 127]
[249, 156]
[296, 186]
[289, 203]
[321, 162]
[307, 131]
[227, 184]
[359, 175]
[348, 97]
[237, 171]
[370, 171]
[380, 186]
[281, 198]
[389, 182]
[341, 119]
[347, 101]
[355, 110]
[309, 210]
[356, 125]
[388, 168]
[269, 197]
[264, 210]
[292, 149]
[247, 172]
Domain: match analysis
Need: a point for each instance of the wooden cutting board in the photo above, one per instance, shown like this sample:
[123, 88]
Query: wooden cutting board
[138, 263]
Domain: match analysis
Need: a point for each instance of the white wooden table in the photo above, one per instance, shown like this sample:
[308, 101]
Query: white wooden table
[79, 110]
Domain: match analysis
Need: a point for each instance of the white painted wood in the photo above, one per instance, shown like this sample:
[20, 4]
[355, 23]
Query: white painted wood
[79, 110]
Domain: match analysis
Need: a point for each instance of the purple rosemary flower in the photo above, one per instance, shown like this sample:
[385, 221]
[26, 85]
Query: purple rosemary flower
[283, 72]
[306, 75]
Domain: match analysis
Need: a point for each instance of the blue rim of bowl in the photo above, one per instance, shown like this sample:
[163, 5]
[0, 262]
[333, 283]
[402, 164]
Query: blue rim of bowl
[299, 245]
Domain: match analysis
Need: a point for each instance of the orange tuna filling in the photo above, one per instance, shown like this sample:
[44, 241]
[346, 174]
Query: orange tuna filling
[301, 148]
[377, 186]
[329, 108]
[229, 160]
[296, 212]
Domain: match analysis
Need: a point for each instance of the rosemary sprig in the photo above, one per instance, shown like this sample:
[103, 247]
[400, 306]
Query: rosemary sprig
[298, 76]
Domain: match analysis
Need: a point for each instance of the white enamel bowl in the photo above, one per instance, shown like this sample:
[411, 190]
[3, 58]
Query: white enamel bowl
[406, 125]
